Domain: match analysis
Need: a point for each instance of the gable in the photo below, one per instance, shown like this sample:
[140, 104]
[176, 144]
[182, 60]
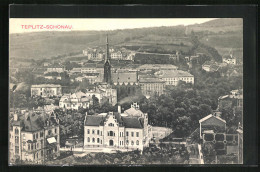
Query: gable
[213, 122]
[111, 120]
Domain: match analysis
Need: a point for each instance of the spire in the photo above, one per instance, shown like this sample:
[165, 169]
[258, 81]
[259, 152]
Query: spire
[107, 66]
[107, 53]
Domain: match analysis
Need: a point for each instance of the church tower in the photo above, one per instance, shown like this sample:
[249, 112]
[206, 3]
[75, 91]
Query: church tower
[107, 66]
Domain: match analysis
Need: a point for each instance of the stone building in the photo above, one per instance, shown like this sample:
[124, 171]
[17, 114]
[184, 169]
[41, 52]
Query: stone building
[151, 86]
[34, 137]
[117, 130]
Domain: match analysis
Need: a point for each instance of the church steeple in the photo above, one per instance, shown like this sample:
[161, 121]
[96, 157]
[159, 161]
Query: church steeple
[107, 65]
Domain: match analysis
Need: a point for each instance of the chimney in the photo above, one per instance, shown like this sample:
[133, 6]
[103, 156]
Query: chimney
[15, 117]
[119, 109]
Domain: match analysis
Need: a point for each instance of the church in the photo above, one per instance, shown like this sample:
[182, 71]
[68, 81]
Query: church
[128, 130]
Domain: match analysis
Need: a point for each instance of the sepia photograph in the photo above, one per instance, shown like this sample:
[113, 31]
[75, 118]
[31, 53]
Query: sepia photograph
[125, 91]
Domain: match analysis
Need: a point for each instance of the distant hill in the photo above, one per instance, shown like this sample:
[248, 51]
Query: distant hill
[40, 45]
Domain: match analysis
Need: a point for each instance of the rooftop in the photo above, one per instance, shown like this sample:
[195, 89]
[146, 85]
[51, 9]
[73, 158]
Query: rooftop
[46, 86]
[173, 73]
[150, 80]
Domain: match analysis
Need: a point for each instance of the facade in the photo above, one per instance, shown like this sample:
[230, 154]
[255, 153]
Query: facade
[117, 55]
[94, 54]
[156, 67]
[75, 101]
[46, 90]
[55, 68]
[151, 86]
[116, 130]
[172, 77]
[212, 124]
[34, 138]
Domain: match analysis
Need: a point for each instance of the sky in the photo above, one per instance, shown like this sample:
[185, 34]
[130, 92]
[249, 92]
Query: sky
[21, 25]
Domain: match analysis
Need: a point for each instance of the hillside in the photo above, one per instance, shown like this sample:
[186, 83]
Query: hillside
[158, 39]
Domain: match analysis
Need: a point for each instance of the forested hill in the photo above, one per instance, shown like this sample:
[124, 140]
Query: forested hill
[169, 39]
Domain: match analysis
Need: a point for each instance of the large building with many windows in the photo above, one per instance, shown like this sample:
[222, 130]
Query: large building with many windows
[151, 86]
[116, 130]
[34, 137]
[172, 77]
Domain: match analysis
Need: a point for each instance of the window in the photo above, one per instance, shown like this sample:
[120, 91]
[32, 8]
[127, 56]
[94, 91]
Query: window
[16, 131]
[93, 131]
[55, 130]
[137, 142]
[137, 134]
[33, 136]
[127, 142]
[49, 132]
[36, 135]
[41, 134]
[97, 132]
[41, 143]
[88, 131]
[88, 139]
[111, 124]
[122, 142]
[93, 140]
[16, 139]
[28, 146]
[132, 142]
[41, 153]
[37, 145]
[31, 146]
[101, 133]
[98, 140]
[127, 133]
[17, 149]
[37, 155]
[132, 134]
[111, 133]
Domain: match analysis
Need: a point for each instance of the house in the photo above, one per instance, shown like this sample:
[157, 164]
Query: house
[234, 99]
[229, 59]
[210, 66]
[75, 101]
[103, 93]
[212, 124]
[172, 77]
[34, 137]
[94, 54]
[46, 90]
[117, 130]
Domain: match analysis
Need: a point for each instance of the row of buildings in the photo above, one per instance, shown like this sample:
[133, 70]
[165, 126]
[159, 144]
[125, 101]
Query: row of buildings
[99, 54]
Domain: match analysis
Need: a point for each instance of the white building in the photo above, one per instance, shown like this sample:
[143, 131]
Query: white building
[172, 77]
[75, 101]
[116, 130]
[230, 59]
